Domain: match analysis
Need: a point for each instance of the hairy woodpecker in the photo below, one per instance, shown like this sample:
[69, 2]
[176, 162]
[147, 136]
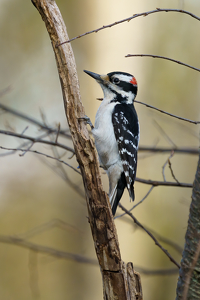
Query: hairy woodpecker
[116, 132]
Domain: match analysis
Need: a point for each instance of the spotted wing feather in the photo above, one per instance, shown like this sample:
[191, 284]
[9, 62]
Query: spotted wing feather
[126, 129]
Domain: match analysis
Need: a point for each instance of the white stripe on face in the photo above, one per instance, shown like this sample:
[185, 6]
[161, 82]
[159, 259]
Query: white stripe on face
[123, 77]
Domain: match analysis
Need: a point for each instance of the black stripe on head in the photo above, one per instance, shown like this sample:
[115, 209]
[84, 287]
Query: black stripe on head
[125, 81]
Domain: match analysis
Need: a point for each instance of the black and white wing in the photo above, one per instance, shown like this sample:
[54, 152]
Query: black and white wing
[126, 129]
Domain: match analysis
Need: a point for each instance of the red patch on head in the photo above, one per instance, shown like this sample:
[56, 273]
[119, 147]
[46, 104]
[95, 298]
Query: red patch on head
[133, 81]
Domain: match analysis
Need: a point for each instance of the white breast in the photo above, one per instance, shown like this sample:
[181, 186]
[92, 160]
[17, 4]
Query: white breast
[104, 136]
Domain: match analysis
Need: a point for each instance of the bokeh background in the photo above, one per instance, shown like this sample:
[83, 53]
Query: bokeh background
[44, 203]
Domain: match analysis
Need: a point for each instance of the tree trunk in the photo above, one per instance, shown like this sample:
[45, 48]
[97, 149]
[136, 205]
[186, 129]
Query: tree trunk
[189, 275]
[119, 281]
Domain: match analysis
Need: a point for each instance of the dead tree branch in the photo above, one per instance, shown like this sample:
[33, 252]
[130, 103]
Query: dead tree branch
[117, 278]
[141, 180]
[20, 242]
[40, 153]
[166, 113]
[164, 183]
[144, 14]
[36, 140]
[182, 150]
[33, 121]
[135, 205]
[149, 233]
[14, 240]
[163, 57]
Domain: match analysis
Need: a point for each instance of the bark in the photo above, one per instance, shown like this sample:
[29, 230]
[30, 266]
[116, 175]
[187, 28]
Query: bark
[119, 281]
[189, 275]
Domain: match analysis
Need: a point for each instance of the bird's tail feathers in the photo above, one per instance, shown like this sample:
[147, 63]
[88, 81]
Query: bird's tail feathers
[117, 193]
[131, 193]
[112, 196]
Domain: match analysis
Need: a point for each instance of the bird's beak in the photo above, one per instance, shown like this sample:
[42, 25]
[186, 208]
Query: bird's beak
[100, 78]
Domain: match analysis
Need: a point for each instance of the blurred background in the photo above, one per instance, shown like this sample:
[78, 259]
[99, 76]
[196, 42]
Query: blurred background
[43, 201]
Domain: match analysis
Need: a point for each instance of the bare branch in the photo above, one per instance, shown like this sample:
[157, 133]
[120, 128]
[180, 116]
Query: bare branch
[33, 121]
[36, 140]
[54, 223]
[147, 194]
[24, 130]
[171, 115]
[56, 140]
[14, 240]
[181, 150]
[17, 241]
[164, 166]
[150, 234]
[60, 167]
[163, 57]
[172, 172]
[40, 153]
[159, 272]
[166, 136]
[26, 150]
[144, 14]
[161, 238]
[24, 145]
[165, 240]
[145, 181]
[164, 183]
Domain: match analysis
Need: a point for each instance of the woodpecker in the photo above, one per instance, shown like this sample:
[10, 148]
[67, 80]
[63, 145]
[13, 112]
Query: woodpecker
[116, 133]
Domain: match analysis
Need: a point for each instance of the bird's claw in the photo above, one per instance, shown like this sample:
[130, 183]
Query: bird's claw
[87, 120]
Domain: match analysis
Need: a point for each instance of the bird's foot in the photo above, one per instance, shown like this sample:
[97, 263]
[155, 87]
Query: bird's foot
[87, 120]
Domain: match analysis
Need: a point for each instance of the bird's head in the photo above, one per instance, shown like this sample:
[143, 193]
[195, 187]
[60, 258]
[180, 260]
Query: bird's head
[117, 86]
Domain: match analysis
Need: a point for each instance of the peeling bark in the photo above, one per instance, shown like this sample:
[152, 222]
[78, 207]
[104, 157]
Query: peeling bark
[116, 283]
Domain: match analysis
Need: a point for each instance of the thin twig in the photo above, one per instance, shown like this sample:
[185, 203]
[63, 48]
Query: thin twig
[56, 140]
[164, 166]
[145, 181]
[60, 167]
[24, 145]
[182, 150]
[43, 154]
[26, 150]
[163, 57]
[32, 120]
[14, 240]
[150, 234]
[164, 112]
[172, 172]
[165, 240]
[147, 194]
[162, 131]
[35, 140]
[159, 237]
[159, 272]
[54, 223]
[129, 19]
[164, 183]
[24, 130]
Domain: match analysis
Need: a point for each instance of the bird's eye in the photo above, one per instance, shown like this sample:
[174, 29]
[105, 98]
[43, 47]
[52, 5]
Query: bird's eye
[116, 80]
